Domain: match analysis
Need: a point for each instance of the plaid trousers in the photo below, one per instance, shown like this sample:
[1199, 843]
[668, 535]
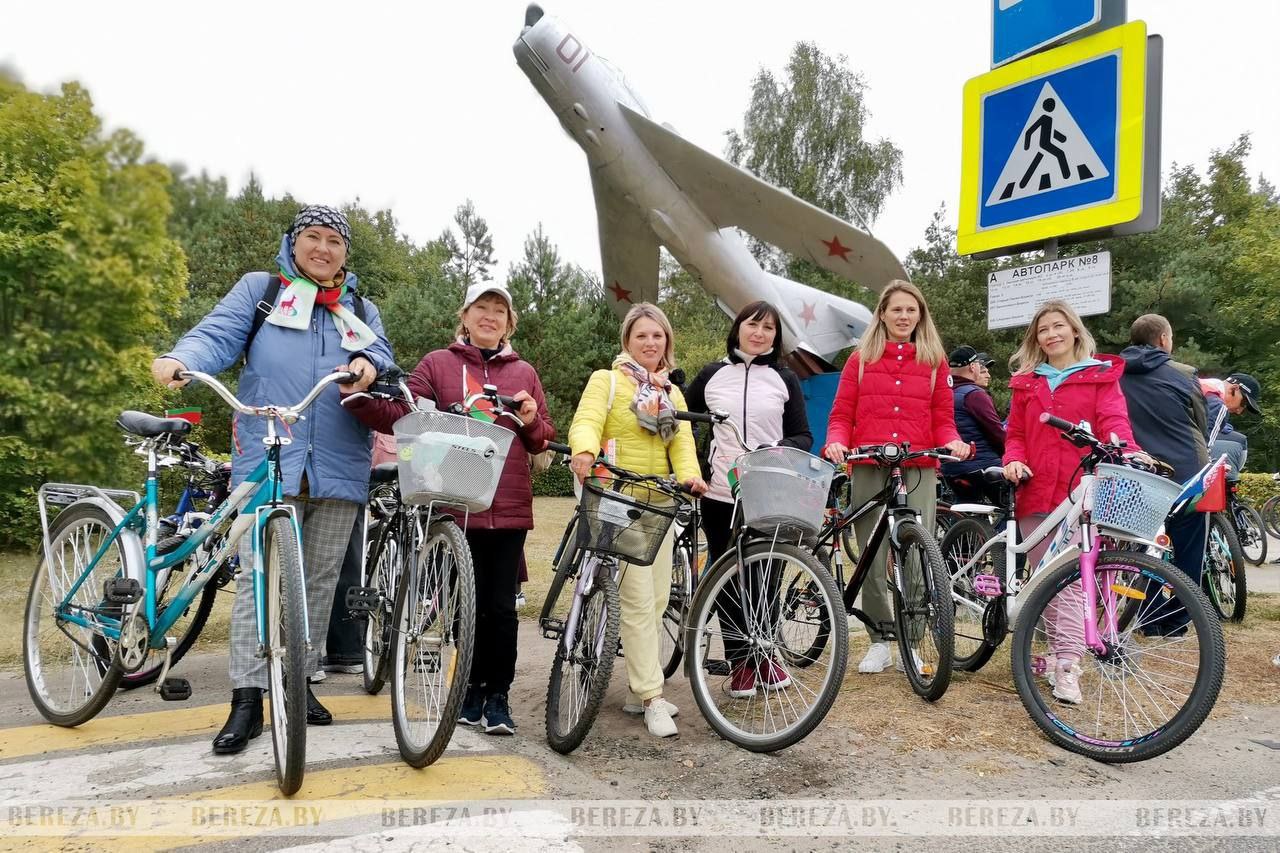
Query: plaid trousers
[326, 529]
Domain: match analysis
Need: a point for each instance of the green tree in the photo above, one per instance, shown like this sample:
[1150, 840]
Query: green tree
[470, 250]
[88, 277]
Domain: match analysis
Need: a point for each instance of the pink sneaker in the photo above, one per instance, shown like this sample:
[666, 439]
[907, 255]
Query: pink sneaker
[743, 683]
[773, 675]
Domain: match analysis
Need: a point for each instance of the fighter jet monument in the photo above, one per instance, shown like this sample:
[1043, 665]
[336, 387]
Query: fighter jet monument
[654, 188]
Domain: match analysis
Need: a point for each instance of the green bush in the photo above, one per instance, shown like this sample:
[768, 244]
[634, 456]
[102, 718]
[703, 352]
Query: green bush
[555, 482]
[1256, 488]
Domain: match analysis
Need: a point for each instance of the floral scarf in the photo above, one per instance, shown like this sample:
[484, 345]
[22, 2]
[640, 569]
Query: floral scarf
[652, 404]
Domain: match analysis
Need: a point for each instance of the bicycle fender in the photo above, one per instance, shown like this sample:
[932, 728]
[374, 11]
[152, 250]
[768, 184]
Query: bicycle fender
[135, 554]
[1015, 604]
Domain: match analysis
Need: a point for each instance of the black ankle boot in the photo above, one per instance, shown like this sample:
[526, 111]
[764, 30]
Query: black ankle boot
[243, 724]
[317, 714]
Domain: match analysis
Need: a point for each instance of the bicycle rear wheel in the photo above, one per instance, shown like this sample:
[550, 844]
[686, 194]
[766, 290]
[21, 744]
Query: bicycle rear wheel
[972, 648]
[582, 668]
[764, 703]
[69, 668]
[923, 612]
[1252, 534]
[1224, 578]
[671, 633]
[1157, 679]
[383, 566]
[1270, 513]
[435, 626]
[286, 650]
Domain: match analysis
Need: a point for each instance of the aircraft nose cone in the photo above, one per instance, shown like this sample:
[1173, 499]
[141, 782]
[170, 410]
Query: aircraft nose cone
[532, 14]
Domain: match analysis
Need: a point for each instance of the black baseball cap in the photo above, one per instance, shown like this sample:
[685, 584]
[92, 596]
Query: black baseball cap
[963, 356]
[1249, 389]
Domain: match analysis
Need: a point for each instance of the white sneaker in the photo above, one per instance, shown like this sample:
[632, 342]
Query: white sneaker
[877, 659]
[320, 675]
[636, 706]
[520, 600]
[1066, 684]
[1275, 661]
[658, 721]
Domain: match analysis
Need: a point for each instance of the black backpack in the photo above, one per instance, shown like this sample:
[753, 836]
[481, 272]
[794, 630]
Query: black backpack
[268, 303]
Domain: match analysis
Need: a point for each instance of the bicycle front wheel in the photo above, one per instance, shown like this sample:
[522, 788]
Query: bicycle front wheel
[1151, 685]
[435, 627]
[1270, 513]
[972, 648]
[383, 566]
[1253, 536]
[671, 633]
[923, 611]
[1224, 570]
[583, 665]
[69, 668]
[738, 613]
[286, 650]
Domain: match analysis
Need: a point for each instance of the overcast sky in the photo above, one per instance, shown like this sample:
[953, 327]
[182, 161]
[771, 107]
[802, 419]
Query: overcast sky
[417, 106]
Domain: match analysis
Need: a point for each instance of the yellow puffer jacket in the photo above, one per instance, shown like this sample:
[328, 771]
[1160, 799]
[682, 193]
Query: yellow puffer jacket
[595, 422]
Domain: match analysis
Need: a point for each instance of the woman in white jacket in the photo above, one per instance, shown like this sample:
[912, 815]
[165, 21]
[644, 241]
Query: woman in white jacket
[765, 402]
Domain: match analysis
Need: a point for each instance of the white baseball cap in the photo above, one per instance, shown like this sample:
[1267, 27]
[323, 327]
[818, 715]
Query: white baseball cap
[480, 288]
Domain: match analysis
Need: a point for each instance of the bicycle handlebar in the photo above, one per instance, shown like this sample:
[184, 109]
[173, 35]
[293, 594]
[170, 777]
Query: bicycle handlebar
[557, 447]
[286, 413]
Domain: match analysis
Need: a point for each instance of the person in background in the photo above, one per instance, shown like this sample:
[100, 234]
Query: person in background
[977, 423]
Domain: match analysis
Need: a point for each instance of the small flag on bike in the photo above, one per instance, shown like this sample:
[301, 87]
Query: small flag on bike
[1214, 498]
[189, 414]
[733, 480]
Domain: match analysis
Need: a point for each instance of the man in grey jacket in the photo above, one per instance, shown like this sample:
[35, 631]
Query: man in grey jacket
[314, 325]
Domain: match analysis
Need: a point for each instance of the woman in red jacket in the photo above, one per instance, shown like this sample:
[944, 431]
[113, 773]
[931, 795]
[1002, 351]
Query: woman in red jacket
[482, 355]
[895, 388]
[1055, 372]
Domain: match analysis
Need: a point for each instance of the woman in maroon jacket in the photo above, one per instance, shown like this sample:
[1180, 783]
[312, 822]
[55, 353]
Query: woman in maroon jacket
[482, 355]
[1055, 372]
[895, 388]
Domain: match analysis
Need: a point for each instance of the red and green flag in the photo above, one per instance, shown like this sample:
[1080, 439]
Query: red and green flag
[188, 414]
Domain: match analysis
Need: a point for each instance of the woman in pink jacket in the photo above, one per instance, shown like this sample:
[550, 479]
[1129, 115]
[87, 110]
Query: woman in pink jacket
[895, 388]
[1055, 371]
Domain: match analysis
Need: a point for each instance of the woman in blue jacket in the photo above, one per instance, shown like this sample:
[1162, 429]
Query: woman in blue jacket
[315, 327]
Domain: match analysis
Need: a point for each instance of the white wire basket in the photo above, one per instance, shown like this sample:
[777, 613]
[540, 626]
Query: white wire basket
[452, 459]
[1132, 502]
[782, 487]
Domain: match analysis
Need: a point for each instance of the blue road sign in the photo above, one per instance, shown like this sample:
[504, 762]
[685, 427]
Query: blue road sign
[1021, 26]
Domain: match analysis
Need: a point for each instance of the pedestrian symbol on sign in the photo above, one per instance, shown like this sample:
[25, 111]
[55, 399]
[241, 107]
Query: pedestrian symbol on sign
[1051, 153]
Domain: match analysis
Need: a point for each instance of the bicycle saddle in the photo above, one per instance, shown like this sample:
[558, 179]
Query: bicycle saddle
[149, 426]
[993, 475]
[384, 473]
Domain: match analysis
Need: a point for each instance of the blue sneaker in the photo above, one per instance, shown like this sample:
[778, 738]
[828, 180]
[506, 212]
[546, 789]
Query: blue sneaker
[497, 715]
[472, 707]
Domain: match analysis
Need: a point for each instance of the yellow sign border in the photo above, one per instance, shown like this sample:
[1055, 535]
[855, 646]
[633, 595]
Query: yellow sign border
[1131, 41]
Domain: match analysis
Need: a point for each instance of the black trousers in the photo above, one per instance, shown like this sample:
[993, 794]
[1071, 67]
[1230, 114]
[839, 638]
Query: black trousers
[344, 642]
[496, 555]
[749, 587]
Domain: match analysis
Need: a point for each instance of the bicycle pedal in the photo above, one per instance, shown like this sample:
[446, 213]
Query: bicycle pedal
[988, 586]
[175, 689]
[122, 590]
[552, 629]
[717, 667]
[363, 599]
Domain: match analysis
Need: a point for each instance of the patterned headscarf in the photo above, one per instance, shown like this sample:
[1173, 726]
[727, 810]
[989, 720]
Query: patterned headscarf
[319, 214]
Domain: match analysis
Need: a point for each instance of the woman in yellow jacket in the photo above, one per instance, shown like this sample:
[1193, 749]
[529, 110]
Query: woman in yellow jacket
[649, 440]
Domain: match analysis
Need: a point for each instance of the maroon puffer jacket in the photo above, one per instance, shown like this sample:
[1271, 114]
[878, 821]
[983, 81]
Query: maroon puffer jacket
[442, 376]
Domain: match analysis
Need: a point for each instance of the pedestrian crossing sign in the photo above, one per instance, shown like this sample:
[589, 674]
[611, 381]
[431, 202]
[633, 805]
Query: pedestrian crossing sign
[1054, 144]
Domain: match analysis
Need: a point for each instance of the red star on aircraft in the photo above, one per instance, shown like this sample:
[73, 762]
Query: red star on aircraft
[620, 293]
[834, 248]
[808, 314]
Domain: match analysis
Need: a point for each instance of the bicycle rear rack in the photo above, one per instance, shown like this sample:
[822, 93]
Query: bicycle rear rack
[65, 494]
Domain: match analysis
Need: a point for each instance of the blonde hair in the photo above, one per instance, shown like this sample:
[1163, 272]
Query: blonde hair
[926, 338]
[512, 318]
[1029, 355]
[649, 311]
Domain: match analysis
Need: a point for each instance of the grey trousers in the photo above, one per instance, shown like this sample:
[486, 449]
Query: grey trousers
[923, 497]
[326, 528]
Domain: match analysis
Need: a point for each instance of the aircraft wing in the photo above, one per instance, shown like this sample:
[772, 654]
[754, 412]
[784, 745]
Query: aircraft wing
[732, 196]
[628, 251]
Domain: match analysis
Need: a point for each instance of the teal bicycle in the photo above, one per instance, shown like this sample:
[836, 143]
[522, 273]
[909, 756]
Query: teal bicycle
[102, 602]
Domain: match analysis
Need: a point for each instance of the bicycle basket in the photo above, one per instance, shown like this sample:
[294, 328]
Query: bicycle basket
[626, 519]
[450, 459]
[783, 487]
[1132, 502]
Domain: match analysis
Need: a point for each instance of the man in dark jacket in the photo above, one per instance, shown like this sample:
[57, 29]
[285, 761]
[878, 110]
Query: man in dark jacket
[1167, 412]
[977, 422]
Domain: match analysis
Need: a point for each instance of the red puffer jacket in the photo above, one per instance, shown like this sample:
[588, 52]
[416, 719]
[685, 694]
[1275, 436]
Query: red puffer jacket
[893, 403]
[1092, 395]
[443, 376]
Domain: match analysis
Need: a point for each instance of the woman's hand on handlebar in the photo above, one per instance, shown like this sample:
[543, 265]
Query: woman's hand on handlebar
[1015, 472]
[527, 407]
[696, 485]
[835, 452]
[959, 448]
[163, 370]
[581, 464]
[363, 368]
